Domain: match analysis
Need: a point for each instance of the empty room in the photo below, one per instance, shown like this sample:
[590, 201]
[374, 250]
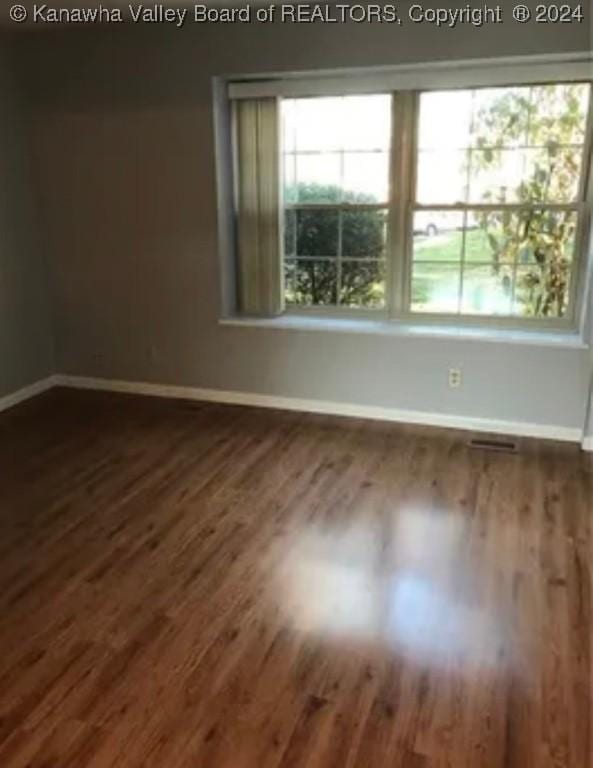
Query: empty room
[296, 385]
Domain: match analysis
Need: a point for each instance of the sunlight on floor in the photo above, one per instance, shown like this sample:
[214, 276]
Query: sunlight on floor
[396, 584]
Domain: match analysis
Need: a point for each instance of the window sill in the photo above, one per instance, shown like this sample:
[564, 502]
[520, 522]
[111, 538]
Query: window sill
[382, 327]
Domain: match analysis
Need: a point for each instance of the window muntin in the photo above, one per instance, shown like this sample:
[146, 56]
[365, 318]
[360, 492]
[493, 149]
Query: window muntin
[336, 160]
[509, 162]
[496, 202]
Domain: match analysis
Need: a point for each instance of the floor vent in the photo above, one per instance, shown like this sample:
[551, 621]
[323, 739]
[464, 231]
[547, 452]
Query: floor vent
[502, 446]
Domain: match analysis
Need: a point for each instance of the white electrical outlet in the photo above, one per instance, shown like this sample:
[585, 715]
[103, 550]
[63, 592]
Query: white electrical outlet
[455, 378]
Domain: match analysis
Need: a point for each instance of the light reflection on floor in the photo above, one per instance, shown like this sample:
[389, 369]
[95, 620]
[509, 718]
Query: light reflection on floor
[398, 585]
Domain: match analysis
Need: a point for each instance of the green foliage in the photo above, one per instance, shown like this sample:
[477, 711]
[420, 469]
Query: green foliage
[540, 242]
[314, 235]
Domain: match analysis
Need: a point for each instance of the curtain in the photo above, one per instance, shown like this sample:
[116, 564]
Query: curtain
[258, 207]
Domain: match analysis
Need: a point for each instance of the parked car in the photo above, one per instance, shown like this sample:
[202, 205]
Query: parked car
[433, 223]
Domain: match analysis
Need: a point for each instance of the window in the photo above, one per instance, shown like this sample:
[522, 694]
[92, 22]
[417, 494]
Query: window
[497, 202]
[336, 154]
[434, 203]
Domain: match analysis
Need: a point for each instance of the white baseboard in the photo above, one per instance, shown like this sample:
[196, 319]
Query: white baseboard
[587, 444]
[14, 398]
[519, 428]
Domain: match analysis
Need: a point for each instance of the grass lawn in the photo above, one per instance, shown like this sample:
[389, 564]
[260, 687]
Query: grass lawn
[436, 281]
[447, 247]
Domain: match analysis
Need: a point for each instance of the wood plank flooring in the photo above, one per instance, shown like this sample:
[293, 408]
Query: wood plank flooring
[190, 585]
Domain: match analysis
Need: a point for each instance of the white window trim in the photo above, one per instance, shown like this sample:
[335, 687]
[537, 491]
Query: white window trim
[401, 306]
[466, 73]
[316, 322]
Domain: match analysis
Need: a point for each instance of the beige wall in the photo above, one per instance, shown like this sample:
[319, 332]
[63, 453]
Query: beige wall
[25, 329]
[124, 148]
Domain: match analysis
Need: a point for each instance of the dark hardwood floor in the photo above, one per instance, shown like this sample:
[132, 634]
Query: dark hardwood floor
[222, 587]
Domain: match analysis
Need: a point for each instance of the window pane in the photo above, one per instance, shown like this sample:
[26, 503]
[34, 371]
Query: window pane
[311, 283]
[336, 149]
[438, 236]
[552, 175]
[496, 176]
[317, 178]
[362, 284]
[508, 145]
[545, 175]
[558, 114]
[492, 236]
[442, 177]
[487, 289]
[545, 236]
[364, 233]
[317, 233]
[336, 123]
[548, 175]
[545, 255]
[366, 122]
[500, 117]
[316, 124]
[435, 287]
[520, 146]
[445, 120]
[524, 237]
[366, 177]
[474, 236]
[492, 249]
[542, 291]
[548, 122]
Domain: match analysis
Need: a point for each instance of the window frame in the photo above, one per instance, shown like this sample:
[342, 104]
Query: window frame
[341, 207]
[581, 207]
[405, 84]
[402, 206]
